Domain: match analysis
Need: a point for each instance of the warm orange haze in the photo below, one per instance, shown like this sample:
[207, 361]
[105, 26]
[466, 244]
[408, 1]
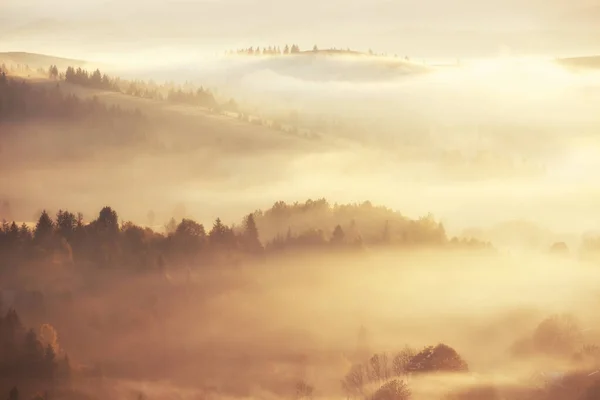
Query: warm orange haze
[247, 200]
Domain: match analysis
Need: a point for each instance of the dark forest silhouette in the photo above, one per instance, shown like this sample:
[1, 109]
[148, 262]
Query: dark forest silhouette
[294, 49]
[88, 125]
[309, 226]
[22, 101]
[168, 92]
[181, 94]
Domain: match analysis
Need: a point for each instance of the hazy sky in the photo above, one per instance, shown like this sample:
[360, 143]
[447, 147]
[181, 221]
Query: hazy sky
[420, 28]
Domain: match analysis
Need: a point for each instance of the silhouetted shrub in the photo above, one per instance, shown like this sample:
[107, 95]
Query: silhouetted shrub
[304, 390]
[441, 358]
[558, 335]
[392, 390]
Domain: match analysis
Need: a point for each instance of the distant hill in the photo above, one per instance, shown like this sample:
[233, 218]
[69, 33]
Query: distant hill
[581, 62]
[334, 52]
[519, 234]
[39, 60]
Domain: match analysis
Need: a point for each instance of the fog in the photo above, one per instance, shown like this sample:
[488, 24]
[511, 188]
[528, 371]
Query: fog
[253, 331]
[492, 138]
[458, 199]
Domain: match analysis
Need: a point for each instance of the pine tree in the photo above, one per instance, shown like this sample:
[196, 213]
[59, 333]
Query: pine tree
[217, 233]
[43, 228]
[337, 237]
[250, 236]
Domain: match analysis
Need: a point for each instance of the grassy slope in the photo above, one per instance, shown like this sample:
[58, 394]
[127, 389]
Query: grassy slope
[220, 130]
[39, 60]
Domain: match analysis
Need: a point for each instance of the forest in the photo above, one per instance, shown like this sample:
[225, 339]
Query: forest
[295, 49]
[22, 101]
[181, 94]
[312, 226]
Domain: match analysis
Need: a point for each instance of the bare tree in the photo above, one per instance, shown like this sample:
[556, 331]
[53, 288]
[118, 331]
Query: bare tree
[379, 369]
[354, 381]
[304, 390]
[401, 360]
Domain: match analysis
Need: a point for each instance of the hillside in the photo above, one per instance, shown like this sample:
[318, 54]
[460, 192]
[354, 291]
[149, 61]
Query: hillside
[39, 60]
[181, 150]
[590, 62]
[222, 130]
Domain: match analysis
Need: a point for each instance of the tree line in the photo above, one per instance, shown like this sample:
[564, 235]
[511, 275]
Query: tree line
[311, 226]
[270, 50]
[20, 100]
[295, 49]
[186, 93]
[182, 94]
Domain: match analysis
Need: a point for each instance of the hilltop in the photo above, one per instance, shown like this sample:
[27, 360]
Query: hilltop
[592, 62]
[35, 61]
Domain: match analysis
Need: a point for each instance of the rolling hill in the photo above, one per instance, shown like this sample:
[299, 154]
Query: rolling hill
[39, 60]
[589, 62]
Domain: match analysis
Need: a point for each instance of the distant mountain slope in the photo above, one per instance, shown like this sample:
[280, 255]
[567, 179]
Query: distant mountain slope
[581, 62]
[39, 60]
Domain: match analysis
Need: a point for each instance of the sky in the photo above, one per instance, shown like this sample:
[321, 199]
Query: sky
[419, 28]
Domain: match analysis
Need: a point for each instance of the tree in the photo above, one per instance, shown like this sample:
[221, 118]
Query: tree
[251, 241]
[286, 49]
[386, 235]
[49, 358]
[43, 228]
[304, 390]
[108, 221]
[106, 84]
[190, 228]
[66, 223]
[401, 361]
[189, 236]
[559, 248]
[392, 390]
[315, 48]
[558, 335]
[337, 237]
[217, 233]
[96, 79]
[441, 358]
[49, 337]
[354, 381]
[379, 369]
[171, 226]
[53, 72]
[14, 394]
[69, 74]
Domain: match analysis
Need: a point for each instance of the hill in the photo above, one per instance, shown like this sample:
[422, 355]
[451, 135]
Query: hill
[589, 62]
[180, 147]
[39, 60]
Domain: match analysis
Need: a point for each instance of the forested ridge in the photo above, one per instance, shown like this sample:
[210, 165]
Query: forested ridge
[312, 226]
